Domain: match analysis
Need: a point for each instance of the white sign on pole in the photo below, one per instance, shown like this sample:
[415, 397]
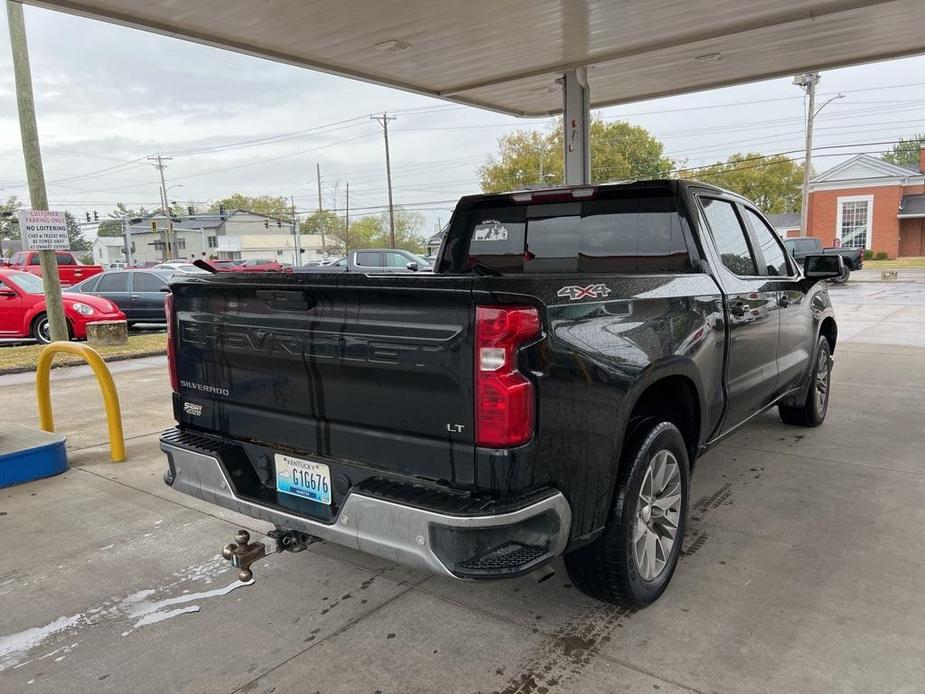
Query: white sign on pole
[43, 230]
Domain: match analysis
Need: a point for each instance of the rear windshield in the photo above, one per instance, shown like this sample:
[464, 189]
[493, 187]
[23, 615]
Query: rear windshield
[640, 232]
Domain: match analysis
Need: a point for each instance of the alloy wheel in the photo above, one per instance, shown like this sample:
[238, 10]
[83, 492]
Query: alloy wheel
[658, 513]
[822, 382]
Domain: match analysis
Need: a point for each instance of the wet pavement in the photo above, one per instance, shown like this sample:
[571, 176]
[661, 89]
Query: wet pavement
[801, 570]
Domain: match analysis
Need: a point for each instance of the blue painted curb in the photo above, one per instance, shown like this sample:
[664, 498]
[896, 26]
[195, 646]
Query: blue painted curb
[28, 454]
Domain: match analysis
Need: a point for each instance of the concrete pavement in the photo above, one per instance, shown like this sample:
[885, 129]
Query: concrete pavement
[800, 573]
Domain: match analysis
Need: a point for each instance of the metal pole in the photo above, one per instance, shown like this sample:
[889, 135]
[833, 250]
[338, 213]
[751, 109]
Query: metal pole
[32, 154]
[347, 222]
[320, 207]
[170, 238]
[384, 122]
[296, 235]
[808, 82]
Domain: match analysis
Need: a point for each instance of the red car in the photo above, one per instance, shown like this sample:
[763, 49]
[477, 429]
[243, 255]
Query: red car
[70, 269]
[22, 308]
[261, 265]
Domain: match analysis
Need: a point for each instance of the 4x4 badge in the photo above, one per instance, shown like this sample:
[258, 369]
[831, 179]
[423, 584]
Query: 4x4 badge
[593, 291]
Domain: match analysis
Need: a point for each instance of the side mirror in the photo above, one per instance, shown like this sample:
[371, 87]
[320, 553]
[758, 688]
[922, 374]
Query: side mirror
[823, 267]
[413, 266]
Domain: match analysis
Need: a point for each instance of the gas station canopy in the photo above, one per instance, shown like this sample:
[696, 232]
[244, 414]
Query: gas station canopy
[507, 55]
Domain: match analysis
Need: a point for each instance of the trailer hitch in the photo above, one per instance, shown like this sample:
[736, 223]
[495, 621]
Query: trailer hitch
[242, 553]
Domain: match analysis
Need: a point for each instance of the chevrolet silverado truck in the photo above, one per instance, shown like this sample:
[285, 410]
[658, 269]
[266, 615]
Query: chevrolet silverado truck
[544, 392]
[802, 247]
[70, 269]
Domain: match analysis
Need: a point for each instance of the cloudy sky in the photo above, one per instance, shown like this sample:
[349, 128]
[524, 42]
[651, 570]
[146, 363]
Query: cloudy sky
[107, 97]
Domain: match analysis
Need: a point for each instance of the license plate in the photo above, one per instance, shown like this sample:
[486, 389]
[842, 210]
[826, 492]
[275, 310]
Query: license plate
[303, 478]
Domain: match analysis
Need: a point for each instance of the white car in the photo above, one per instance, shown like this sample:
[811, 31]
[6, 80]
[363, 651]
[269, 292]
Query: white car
[180, 269]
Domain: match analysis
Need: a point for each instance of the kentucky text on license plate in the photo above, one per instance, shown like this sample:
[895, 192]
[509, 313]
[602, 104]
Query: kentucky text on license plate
[303, 478]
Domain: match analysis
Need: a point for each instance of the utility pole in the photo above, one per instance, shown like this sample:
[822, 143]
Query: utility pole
[35, 174]
[296, 235]
[170, 241]
[384, 122]
[347, 222]
[808, 82]
[320, 208]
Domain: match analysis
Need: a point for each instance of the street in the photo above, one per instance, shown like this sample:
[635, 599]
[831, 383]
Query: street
[800, 570]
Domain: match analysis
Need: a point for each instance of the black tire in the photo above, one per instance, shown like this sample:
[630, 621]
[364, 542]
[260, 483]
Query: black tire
[813, 410]
[843, 277]
[607, 569]
[41, 330]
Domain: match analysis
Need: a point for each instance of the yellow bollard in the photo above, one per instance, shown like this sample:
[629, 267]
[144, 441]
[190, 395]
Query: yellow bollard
[103, 377]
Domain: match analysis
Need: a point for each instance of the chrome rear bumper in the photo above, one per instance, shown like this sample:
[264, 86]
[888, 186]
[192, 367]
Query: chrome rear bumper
[393, 531]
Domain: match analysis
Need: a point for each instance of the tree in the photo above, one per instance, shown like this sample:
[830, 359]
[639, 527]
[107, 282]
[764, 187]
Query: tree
[9, 225]
[619, 151]
[367, 232]
[270, 205]
[327, 222]
[906, 152]
[113, 225]
[772, 183]
[75, 235]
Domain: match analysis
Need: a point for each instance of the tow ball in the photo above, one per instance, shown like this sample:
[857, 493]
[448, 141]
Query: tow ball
[242, 553]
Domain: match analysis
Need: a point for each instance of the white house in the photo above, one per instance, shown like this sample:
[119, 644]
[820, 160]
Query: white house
[108, 250]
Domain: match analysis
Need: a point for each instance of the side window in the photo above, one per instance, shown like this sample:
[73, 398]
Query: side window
[396, 260]
[34, 259]
[729, 236]
[16, 259]
[368, 259]
[90, 284]
[113, 282]
[65, 259]
[774, 257]
[146, 282]
[340, 263]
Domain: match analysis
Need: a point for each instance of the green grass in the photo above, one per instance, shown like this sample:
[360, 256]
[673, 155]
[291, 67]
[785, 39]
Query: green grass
[895, 264]
[24, 357]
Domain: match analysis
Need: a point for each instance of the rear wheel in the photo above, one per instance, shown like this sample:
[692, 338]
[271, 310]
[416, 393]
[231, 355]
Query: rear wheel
[843, 277]
[813, 410]
[632, 562]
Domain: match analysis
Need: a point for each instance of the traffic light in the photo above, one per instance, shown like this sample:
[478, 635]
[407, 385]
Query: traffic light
[221, 212]
[96, 217]
[88, 216]
[189, 210]
[266, 223]
[279, 224]
[153, 225]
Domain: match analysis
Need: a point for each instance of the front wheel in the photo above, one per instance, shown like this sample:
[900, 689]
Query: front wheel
[41, 330]
[632, 561]
[813, 410]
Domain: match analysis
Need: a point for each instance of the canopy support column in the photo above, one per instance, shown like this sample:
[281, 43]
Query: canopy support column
[576, 100]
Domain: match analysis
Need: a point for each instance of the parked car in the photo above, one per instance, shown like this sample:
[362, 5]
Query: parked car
[801, 247]
[261, 265]
[545, 392]
[70, 270]
[225, 265]
[180, 268]
[374, 260]
[139, 294]
[22, 308]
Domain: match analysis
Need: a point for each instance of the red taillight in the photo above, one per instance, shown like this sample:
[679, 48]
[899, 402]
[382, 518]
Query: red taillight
[504, 409]
[171, 346]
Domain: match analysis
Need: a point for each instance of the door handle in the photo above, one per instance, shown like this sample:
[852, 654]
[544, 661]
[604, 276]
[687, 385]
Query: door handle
[134, 296]
[737, 309]
[783, 301]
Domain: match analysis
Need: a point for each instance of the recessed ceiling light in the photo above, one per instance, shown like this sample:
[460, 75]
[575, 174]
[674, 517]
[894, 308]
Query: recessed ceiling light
[393, 46]
[710, 58]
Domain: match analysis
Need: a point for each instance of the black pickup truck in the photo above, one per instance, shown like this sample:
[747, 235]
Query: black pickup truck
[545, 392]
[852, 257]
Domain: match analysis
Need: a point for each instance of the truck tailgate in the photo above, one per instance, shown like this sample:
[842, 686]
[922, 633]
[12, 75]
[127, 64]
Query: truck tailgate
[376, 371]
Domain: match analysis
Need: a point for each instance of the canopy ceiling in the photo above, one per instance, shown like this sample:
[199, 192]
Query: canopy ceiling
[506, 55]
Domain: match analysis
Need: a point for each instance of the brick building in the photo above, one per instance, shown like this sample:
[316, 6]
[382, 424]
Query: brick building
[869, 203]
